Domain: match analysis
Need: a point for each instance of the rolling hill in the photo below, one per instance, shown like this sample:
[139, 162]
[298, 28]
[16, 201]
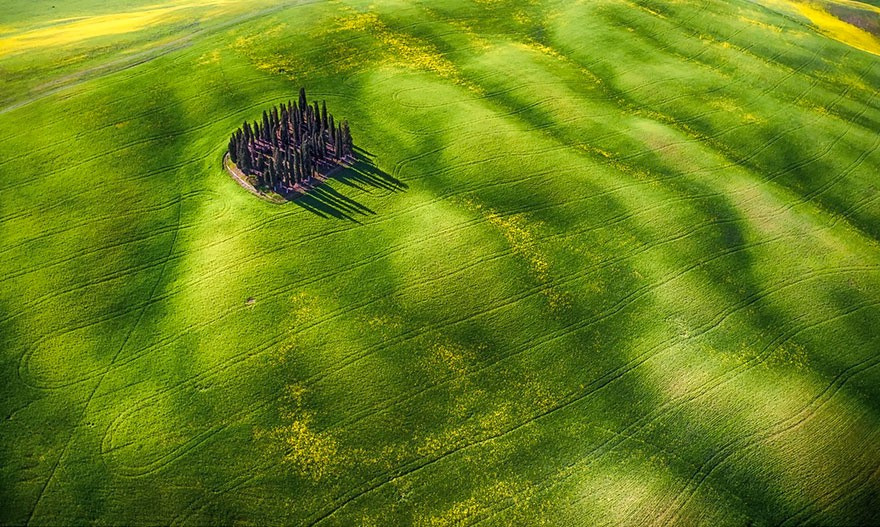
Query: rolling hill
[600, 262]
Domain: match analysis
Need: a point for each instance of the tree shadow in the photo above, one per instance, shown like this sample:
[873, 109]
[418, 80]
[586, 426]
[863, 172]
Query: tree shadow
[361, 174]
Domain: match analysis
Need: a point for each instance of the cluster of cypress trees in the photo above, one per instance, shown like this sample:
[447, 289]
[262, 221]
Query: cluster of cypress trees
[293, 143]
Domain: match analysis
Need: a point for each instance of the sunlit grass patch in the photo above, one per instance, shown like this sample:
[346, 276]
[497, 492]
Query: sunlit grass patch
[68, 32]
[402, 49]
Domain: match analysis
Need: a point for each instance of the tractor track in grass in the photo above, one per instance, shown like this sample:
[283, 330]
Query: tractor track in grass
[177, 133]
[724, 378]
[731, 165]
[92, 251]
[698, 140]
[801, 164]
[711, 325]
[741, 445]
[568, 60]
[285, 289]
[320, 234]
[115, 66]
[179, 104]
[241, 82]
[143, 142]
[802, 516]
[91, 222]
[584, 195]
[106, 371]
[602, 449]
[714, 324]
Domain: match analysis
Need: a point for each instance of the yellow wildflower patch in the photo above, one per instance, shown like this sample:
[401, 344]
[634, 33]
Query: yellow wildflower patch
[72, 31]
[452, 357]
[209, 58]
[762, 25]
[523, 241]
[311, 453]
[277, 63]
[840, 30]
[834, 27]
[464, 511]
[402, 49]
[538, 47]
[476, 40]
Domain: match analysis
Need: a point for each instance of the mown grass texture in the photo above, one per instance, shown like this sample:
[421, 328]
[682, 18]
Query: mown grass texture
[606, 262]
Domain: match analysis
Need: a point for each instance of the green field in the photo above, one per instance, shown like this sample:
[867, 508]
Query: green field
[601, 262]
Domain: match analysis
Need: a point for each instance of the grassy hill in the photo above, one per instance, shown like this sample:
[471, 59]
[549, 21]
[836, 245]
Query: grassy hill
[602, 262]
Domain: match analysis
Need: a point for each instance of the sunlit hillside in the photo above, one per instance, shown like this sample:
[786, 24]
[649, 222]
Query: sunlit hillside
[604, 262]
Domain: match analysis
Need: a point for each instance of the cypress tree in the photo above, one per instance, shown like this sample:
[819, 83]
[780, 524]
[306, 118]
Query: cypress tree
[239, 148]
[299, 170]
[346, 139]
[290, 143]
[246, 162]
[285, 137]
[302, 99]
[233, 149]
[278, 162]
[317, 113]
[340, 142]
[266, 170]
[266, 126]
[306, 158]
[288, 126]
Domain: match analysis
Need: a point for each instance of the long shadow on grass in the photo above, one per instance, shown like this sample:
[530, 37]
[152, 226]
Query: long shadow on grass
[362, 175]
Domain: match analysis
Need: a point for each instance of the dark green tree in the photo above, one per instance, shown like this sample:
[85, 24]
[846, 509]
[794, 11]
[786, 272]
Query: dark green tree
[302, 99]
[290, 143]
[233, 149]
